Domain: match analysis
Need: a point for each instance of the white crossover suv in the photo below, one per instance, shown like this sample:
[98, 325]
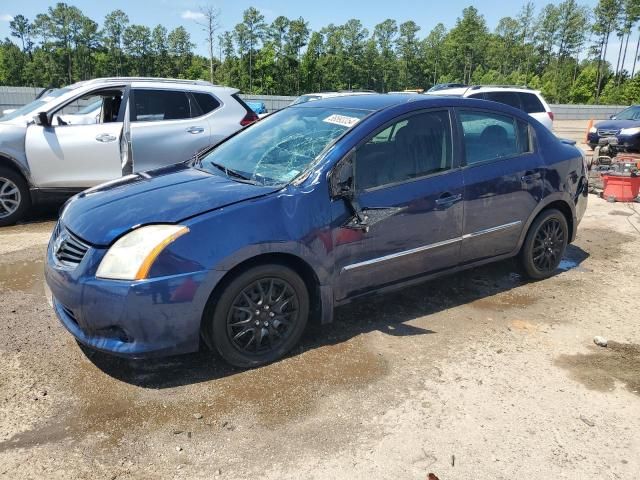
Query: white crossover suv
[523, 98]
[94, 131]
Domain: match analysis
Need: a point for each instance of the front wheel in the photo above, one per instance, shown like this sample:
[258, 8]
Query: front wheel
[545, 244]
[14, 197]
[258, 317]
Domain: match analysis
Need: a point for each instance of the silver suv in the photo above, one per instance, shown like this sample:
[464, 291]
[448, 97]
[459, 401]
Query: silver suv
[140, 124]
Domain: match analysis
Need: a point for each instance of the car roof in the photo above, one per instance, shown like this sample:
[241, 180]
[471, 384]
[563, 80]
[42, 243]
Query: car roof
[379, 102]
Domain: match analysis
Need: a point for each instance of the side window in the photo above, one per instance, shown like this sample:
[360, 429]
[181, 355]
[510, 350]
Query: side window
[479, 96]
[489, 136]
[410, 148]
[158, 105]
[205, 104]
[508, 98]
[531, 103]
[90, 109]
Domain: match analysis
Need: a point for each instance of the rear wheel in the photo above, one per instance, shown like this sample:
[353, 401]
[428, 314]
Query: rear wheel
[545, 244]
[258, 317]
[14, 197]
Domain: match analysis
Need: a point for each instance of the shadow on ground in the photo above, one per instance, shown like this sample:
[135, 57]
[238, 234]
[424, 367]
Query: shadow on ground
[388, 313]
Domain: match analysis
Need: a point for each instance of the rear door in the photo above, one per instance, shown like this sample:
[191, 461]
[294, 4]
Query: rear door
[166, 127]
[78, 156]
[503, 177]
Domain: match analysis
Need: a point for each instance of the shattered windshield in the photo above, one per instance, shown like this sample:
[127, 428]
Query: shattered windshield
[278, 148]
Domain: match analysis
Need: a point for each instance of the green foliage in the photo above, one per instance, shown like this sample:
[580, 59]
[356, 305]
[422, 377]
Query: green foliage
[546, 49]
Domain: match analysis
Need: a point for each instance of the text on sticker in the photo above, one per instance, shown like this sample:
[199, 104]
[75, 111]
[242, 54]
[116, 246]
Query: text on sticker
[341, 120]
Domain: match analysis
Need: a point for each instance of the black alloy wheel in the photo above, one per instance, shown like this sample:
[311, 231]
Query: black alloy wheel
[258, 316]
[545, 244]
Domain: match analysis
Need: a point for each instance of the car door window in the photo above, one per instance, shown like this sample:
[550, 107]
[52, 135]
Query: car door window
[90, 109]
[158, 105]
[203, 103]
[531, 103]
[489, 136]
[508, 98]
[410, 148]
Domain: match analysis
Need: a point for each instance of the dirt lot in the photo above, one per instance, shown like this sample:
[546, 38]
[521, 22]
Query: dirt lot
[481, 375]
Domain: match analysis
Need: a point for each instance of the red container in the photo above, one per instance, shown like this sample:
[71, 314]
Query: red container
[620, 189]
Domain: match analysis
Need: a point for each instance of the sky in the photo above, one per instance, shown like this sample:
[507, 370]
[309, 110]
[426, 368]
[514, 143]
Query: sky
[172, 13]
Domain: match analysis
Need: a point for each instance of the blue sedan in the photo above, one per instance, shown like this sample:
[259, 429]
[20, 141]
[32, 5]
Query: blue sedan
[317, 205]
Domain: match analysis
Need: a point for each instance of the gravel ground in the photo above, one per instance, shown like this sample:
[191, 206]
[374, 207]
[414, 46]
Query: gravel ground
[479, 375]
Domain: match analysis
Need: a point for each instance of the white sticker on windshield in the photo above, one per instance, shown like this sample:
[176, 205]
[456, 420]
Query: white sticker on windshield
[342, 120]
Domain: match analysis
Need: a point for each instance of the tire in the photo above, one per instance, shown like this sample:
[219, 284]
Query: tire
[544, 244]
[247, 322]
[14, 196]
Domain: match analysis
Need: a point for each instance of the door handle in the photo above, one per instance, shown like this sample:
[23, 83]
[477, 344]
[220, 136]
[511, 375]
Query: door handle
[531, 176]
[195, 130]
[446, 199]
[106, 138]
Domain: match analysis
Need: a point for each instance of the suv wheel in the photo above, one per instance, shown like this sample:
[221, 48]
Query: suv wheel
[545, 244]
[259, 316]
[14, 197]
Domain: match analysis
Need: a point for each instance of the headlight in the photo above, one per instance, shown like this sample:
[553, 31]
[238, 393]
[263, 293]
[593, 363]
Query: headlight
[131, 257]
[593, 130]
[630, 131]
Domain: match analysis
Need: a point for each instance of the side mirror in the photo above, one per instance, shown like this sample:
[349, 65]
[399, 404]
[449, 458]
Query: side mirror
[612, 117]
[341, 179]
[42, 119]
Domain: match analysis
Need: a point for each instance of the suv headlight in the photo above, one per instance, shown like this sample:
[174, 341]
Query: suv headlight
[132, 256]
[593, 130]
[630, 131]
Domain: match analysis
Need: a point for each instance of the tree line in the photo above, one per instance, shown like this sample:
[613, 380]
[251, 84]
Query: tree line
[561, 49]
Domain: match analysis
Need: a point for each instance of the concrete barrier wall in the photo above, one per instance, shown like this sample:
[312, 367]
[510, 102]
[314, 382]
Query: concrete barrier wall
[585, 112]
[15, 97]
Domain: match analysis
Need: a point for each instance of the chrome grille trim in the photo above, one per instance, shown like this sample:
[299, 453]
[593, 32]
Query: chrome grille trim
[68, 249]
[607, 132]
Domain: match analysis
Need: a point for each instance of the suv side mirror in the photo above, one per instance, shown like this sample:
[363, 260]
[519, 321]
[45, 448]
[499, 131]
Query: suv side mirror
[341, 179]
[42, 119]
[612, 117]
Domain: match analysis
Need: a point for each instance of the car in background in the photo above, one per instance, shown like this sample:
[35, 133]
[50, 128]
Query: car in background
[258, 107]
[316, 205]
[622, 130]
[522, 98]
[310, 97]
[61, 143]
[443, 86]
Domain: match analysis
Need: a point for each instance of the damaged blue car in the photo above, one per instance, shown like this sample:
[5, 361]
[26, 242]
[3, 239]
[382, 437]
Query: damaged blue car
[314, 206]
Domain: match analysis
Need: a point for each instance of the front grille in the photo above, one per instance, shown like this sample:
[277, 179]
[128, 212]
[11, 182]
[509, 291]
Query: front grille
[604, 132]
[68, 249]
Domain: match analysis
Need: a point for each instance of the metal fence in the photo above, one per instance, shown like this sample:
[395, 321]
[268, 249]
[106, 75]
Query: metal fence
[15, 97]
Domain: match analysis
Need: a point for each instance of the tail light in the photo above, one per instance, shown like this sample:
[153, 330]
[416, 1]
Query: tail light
[550, 115]
[249, 118]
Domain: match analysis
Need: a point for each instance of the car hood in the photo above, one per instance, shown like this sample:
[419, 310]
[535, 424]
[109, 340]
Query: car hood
[617, 124]
[168, 195]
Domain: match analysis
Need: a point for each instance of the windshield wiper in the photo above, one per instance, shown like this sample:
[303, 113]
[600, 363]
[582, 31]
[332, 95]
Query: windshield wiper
[235, 174]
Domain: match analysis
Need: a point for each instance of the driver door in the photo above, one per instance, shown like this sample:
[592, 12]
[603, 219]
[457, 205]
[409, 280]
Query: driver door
[78, 156]
[409, 191]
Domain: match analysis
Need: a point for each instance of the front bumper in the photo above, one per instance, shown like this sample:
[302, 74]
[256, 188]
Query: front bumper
[153, 317]
[626, 143]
